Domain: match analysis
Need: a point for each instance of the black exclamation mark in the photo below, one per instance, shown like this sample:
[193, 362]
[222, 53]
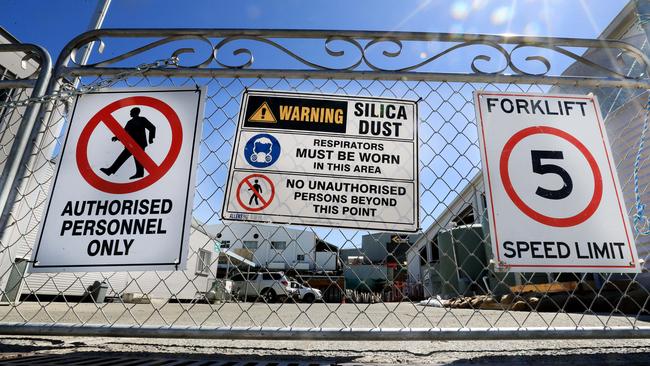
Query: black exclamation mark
[263, 112]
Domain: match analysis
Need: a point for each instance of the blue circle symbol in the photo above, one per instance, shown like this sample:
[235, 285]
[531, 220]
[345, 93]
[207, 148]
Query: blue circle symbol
[262, 150]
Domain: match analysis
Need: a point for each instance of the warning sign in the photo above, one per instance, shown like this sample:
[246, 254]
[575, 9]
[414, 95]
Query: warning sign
[327, 160]
[110, 207]
[263, 114]
[554, 199]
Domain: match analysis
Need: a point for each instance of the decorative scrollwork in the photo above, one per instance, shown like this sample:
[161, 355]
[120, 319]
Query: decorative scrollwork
[580, 59]
[475, 68]
[243, 46]
[142, 49]
[250, 59]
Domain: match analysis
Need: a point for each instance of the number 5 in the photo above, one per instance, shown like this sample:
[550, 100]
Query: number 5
[539, 168]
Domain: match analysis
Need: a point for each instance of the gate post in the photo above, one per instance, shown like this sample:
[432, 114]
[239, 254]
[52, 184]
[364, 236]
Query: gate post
[10, 177]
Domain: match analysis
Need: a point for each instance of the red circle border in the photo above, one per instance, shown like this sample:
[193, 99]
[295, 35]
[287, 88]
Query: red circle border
[268, 202]
[129, 187]
[577, 219]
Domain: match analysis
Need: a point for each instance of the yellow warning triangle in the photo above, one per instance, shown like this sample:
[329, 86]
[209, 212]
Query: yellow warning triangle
[263, 114]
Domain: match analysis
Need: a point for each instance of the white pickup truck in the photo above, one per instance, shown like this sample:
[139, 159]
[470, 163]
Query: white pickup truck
[269, 286]
[306, 293]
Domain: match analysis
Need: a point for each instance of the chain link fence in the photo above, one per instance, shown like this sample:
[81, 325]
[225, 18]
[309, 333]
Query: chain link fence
[282, 281]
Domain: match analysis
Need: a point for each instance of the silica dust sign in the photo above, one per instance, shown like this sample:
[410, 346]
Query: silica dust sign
[326, 160]
[121, 198]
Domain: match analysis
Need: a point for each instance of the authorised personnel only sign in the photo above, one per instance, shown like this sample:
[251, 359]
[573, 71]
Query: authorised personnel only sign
[326, 160]
[554, 199]
[111, 207]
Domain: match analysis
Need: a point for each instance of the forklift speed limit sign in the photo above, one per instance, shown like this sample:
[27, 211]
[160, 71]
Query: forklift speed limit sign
[554, 199]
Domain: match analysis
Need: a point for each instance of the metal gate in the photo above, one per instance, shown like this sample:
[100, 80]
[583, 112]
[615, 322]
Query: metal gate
[437, 284]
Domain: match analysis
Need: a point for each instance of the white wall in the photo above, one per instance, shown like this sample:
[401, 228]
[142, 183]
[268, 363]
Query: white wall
[298, 242]
[27, 215]
[185, 284]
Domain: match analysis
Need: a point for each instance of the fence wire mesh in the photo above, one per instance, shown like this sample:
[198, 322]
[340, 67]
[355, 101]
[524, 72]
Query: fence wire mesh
[258, 276]
[11, 118]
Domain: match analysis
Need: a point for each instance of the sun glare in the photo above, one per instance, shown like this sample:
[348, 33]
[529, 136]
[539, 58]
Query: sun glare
[500, 15]
[460, 10]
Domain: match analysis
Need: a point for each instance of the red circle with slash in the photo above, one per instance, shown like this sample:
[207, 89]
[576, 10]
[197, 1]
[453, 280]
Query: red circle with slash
[155, 171]
[265, 203]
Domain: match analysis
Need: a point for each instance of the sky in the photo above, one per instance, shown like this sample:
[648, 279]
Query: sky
[448, 151]
[53, 23]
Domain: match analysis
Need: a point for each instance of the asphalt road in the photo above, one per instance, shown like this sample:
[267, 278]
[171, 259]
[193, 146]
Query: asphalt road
[325, 315]
[513, 352]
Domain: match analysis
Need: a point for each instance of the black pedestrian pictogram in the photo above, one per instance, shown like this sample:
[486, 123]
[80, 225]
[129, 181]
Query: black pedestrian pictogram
[256, 188]
[136, 128]
[154, 169]
[252, 184]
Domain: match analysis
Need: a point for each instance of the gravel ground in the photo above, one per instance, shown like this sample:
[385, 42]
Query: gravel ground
[594, 352]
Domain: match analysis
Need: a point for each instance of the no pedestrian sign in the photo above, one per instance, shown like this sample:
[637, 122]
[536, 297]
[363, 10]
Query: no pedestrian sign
[325, 160]
[121, 199]
[554, 199]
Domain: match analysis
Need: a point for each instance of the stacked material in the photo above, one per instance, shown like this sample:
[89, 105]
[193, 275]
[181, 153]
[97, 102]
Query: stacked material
[623, 296]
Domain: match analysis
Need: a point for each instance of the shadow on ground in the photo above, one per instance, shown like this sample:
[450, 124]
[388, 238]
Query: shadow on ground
[90, 351]
[610, 359]
[74, 358]
[17, 345]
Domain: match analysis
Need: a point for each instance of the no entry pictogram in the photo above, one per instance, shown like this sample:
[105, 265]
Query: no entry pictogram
[579, 218]
[155, 171]
[251, 182]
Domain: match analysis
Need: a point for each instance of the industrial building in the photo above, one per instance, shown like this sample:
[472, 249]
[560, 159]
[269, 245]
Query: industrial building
[434, 268]
[380, 264]
[387, 248]
[276, 248]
